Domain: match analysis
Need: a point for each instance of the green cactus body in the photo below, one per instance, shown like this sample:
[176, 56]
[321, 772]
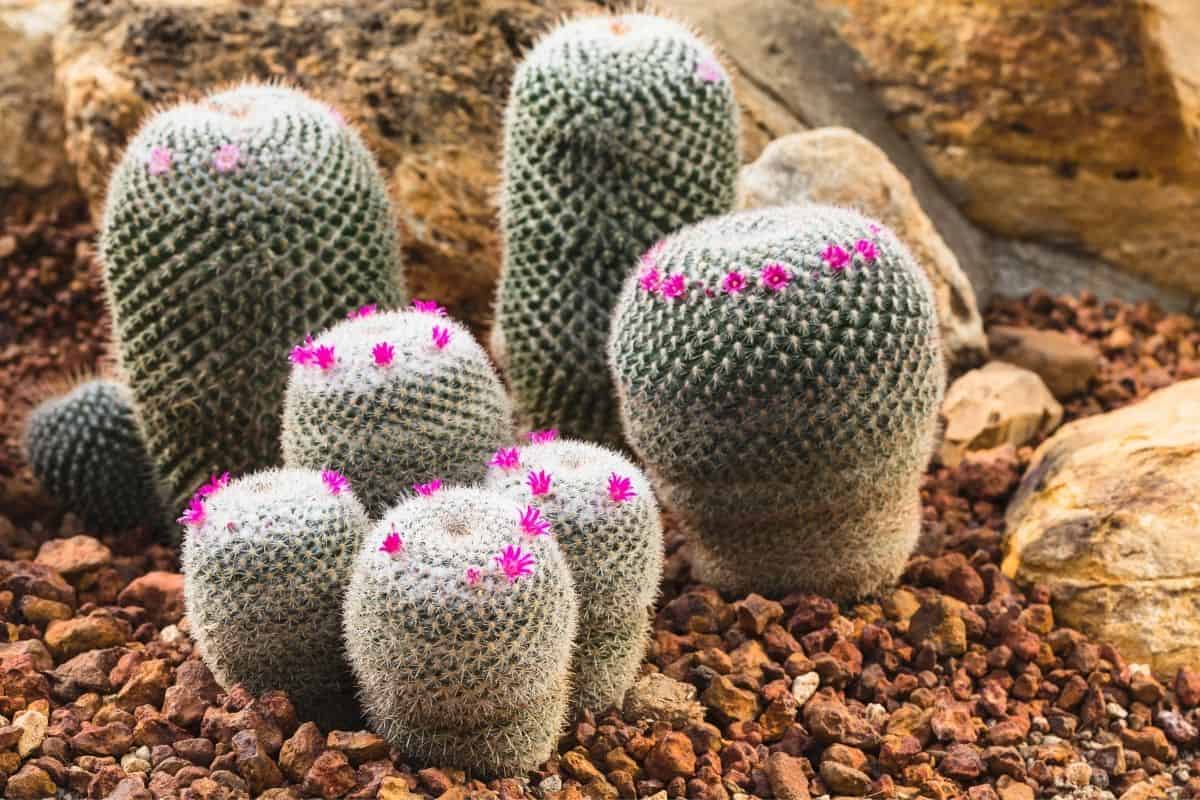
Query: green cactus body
[394, 407]
[618, 131]
[459, 626]
[266, 561]
[780, 374]
[606, 522]
[234, 226]
[86, 450]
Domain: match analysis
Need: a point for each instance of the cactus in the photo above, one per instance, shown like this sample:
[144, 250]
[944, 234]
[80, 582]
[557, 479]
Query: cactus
[405, 395]
[618, 131]
[233, 226]
[84, 446]
[606, 523]
[459, 621]
[780, 375]
[266, 561]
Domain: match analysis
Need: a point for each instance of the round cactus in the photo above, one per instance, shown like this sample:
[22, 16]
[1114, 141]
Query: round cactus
[390, 399]
[459, 622]
[780, 374]
[84, 447]
[233, 226]
[266, 561]
[606, 523]
[619, 130]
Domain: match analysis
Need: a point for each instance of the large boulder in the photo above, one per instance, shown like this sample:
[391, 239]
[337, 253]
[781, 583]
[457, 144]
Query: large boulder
[1107, 517]
[840, 167]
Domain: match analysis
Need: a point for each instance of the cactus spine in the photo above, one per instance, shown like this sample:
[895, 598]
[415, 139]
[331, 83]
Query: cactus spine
[780, 374]
[618, 130]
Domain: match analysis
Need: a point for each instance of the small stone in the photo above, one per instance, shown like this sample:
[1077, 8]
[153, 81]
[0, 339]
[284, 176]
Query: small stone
[253, 763]
[730, 703]
[112, 739]
[359, 746]
[953, 722]
[1177, 728]
[198, 751]
[39, 657]
[148, 685]
[131, 763]
[27, 577]
[301, 750]
[787, 777]
[30, 783]
[1010, 789]
[995, 405]
[1149, 741]
[755, 613]
[658, 698]
[74, 556]
[962, 762]
[672, 757]
[160, 593]
[805, 686]
[939, 622]
[330, 775]
[580, 767]
[1187, 687]
[130, 789]
[844, 780]
[33, 724]
[68, 638]
[832, 722]
[1079, 773]
[40, 611]
[396, 788]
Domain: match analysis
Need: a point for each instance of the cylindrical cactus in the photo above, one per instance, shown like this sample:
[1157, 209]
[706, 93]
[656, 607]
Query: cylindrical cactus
[619, 129]
[780, 374]
[400, 396]
[606, 523]
[459, 622]
[85, 448]
[233, 226]
[266, 561]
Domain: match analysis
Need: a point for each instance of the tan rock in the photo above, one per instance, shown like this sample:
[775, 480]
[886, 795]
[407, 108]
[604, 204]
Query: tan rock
[1064, 363]
[839, 167]
[659, 698]
[997, 404]
[1106, 517]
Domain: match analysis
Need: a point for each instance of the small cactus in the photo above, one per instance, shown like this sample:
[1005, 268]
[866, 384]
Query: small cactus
[606, 522]
[85, 448]
[390, 398]
[459, 622]
[266, 561]
[233, 226]
[619, 130]
[780, 374]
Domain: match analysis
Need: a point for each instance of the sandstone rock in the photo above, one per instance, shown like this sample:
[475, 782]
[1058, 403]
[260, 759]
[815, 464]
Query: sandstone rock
[787, 777]
[68, 638]
[160, 593]
[30, 783]
[37, 653]
[1066, 365]
[301, 750]
[330, 775]
[74, 556]
[33, 724]
[672, 757]
[840, 167]
[845, 780]
[995, 405]
[661, 699]
[730, 703]
[1105, 518]
[359, 746]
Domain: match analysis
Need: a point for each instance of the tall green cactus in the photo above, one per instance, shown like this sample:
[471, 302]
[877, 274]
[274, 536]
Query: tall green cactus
[233, 226]
[606, 522]
[459, 622]
[84, 447]
[618, 131]
[780, 374]
[401, 397]
[266, 561]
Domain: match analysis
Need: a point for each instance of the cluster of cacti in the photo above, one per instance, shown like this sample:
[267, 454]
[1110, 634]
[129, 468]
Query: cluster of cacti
[605, 520]
[459, 621]
[233, 226]
[780, 374]
[390, 398]
[619, 130]
[84, 447]
[266, 560]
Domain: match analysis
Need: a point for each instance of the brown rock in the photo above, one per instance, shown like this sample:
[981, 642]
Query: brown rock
[756, 612]
[300, 751]
[359, 746]
[953, 722]
[74, 556]
[1010, 789]
[112, 739]
[671, 757]
[148, 685]
[39, 657]
[995, 405]
[787, 777]
[1148, 741]
[30, 783]
[160, 593]
[1065, 364]
[962, 762]
[254, 764]
[27, 577]
[195, 688]
[32, 723]
[730, 703]
[1187, 687]
[68, 638]
[580, 767]
[330, 775]
[844, 780]
[198, 751]
[40, 611]
[86, 672]
[130, 789]
[831, 721]
[939, 622]
[659, 698]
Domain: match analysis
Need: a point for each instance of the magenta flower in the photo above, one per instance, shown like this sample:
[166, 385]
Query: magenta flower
[324, 357]
[383, 353]
[709, 70]
[836, 257]
[541, 437]
[227, 157]
[441, 337]
[335, 481]
[539, 482]
[866, 249]
[620, 489]
[515, 563]
[733, 282]
[193, 515]
[674, 286]
[159, 161]
[775, 276]
[303, 353]
[874, 229]
[392, 543]
[215, 484]
[428, 489]
[532, 522]
[362, 311]
[649, 281]
[506, 458]
[428, 307]
[472, 575]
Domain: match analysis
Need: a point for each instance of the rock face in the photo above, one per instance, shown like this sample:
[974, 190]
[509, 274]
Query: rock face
[1107, 517]
[995, 405]
[1103, 154]
[839, 167]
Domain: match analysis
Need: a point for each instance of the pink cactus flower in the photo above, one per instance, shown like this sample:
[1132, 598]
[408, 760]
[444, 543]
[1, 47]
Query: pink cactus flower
[542, 437]
[775, 276]
[324, 357]
[836, 257]
[506, 458]
[335, 481]
[214, 485]
[159, 161]
[472, 576]
[674, 286]
[383, 353]
[441, 337]
[392, 543]
[362, 311]
[532, 522]
[515, 563]
[733, 282]
[227, 157]
[866, 249]
[303, 353]
[874, 229]
[709, 70]
[620, 490]
[649, 279]
[428, 489]
[539, 482]
[193, 515]
[428, 307]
